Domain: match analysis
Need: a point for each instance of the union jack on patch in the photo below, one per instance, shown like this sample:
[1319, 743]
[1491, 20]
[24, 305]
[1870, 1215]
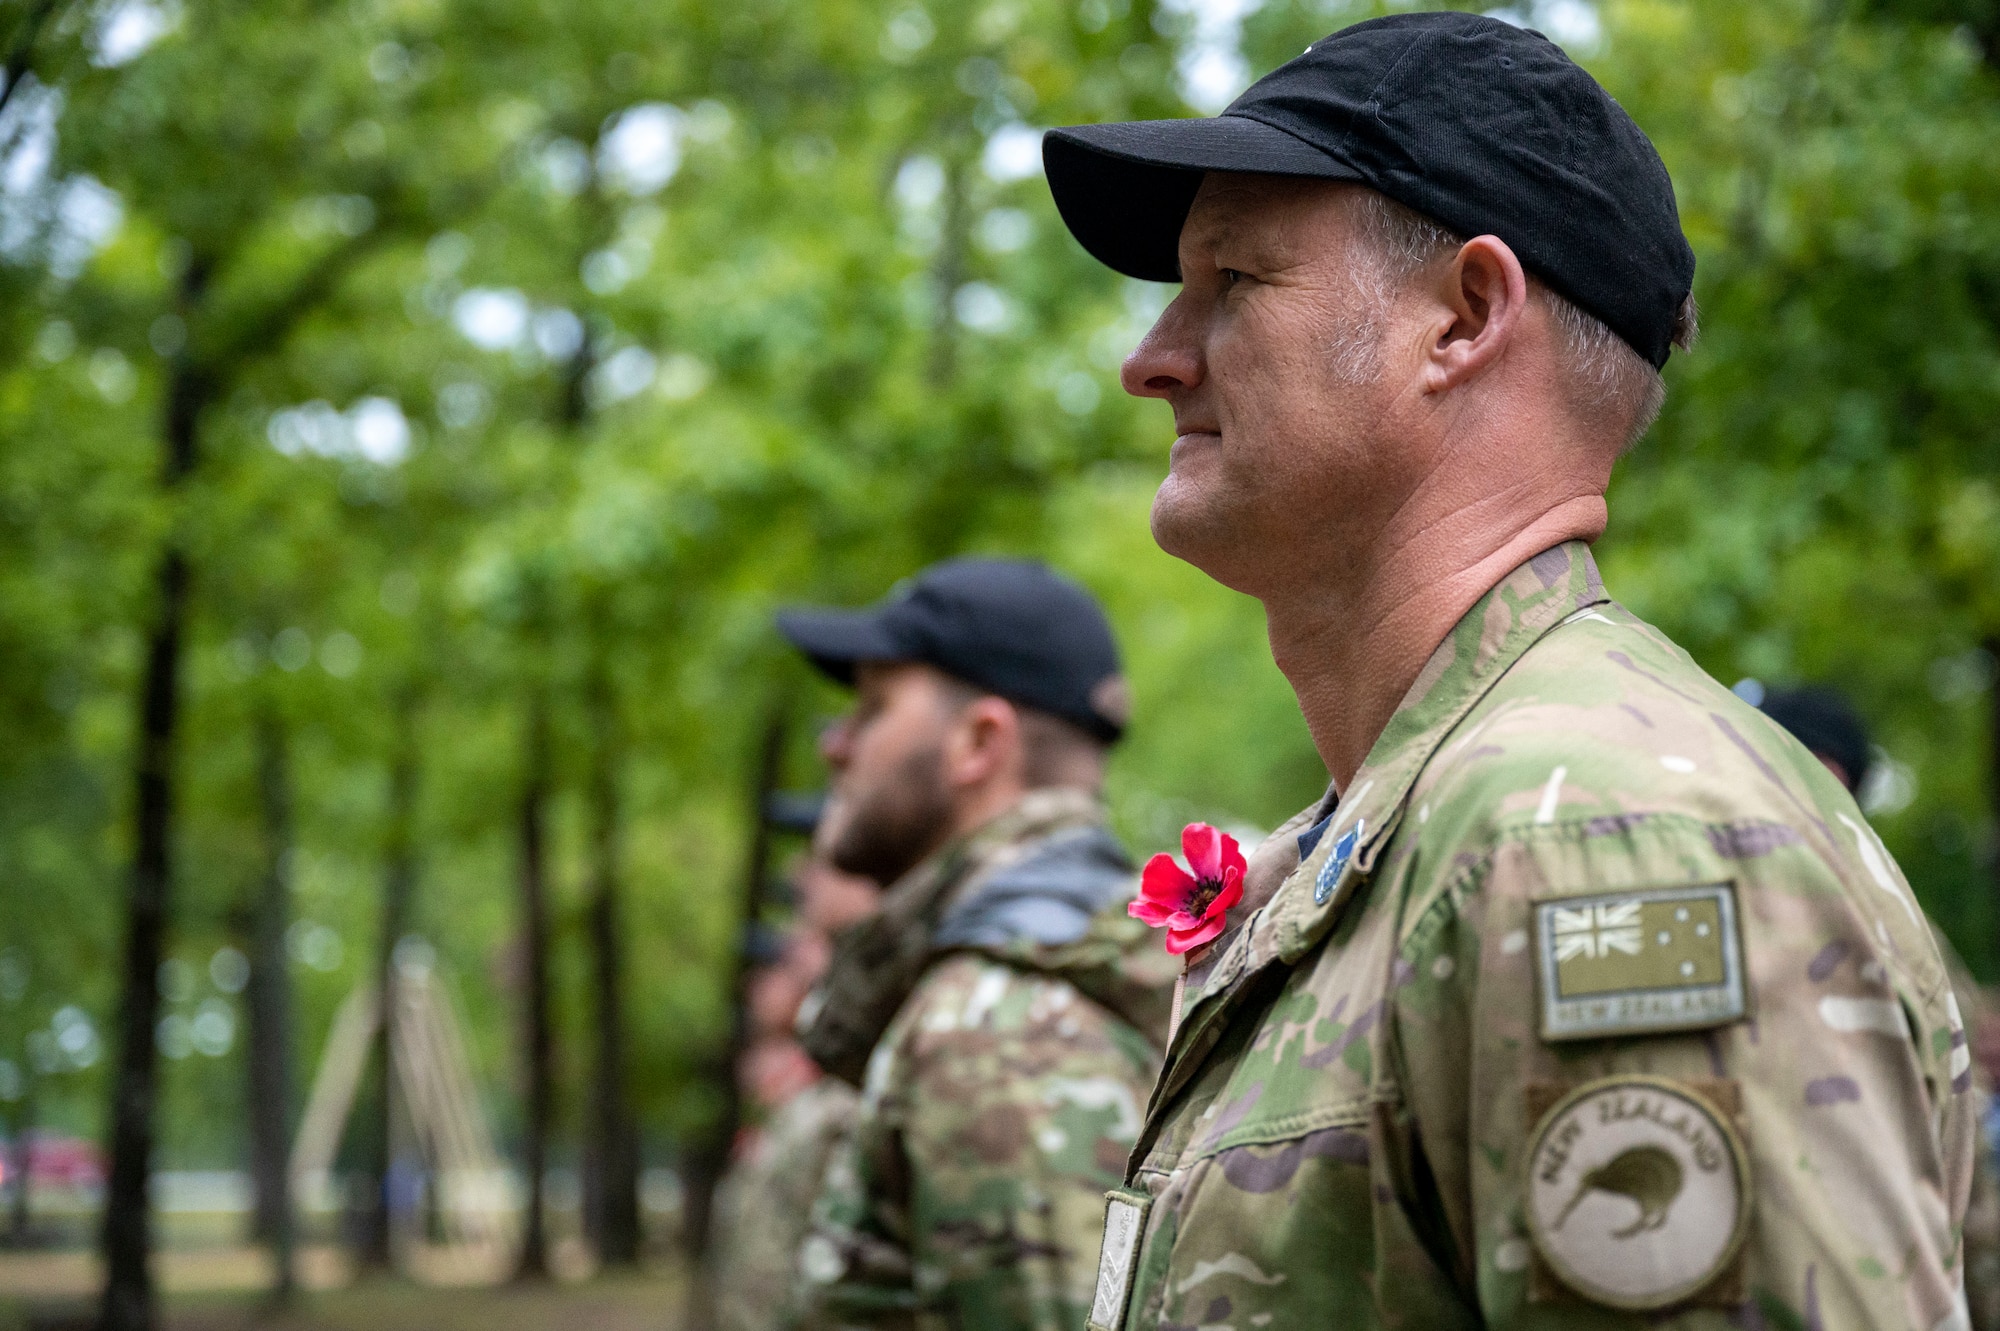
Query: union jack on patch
[1598, 931]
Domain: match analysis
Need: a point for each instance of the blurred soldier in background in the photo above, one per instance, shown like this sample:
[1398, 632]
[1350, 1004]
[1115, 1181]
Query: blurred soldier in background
[765, 1201]
[1825, 722]
[1000, 1012]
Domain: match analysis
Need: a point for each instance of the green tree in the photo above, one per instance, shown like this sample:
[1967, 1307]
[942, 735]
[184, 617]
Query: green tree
[466, 385]
[254, 162]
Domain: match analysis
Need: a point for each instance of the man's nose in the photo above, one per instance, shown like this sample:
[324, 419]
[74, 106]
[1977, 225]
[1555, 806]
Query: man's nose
[1167, 359]
[836, 744]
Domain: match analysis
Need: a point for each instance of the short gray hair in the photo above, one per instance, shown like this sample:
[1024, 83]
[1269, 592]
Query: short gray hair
[1610, 381]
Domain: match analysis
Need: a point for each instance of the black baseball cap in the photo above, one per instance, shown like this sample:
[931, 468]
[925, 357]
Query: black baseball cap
[1486, 128]
[1823, 720]
[1009, 626]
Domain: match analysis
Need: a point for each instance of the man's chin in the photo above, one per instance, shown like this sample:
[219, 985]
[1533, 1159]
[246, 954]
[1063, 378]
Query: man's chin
[884, 841]
[1192, 529]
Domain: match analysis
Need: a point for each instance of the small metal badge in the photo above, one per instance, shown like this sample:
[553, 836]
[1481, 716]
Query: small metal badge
[1639, 963]
[1336, 861]
[1124, 1225]
[1638, 1191]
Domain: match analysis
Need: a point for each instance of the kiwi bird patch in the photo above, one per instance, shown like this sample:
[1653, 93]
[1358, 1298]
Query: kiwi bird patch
[1649, 1175]
[1638, 1191]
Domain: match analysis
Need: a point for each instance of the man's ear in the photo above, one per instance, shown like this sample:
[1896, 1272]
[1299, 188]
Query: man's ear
[1484, 293]
[985, 741]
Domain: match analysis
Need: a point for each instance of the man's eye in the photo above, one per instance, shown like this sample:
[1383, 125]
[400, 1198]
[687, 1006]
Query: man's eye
[1230, 277]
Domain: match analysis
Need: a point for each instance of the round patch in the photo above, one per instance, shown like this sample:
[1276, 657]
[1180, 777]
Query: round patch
[1638, 1191]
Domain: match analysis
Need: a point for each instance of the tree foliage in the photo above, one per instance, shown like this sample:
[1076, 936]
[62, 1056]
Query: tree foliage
[550, 348]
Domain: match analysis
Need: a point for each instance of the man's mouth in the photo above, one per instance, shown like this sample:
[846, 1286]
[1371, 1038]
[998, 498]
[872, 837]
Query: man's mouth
[1193, 438]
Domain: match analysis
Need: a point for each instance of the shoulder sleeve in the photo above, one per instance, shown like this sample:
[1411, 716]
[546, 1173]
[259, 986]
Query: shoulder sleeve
[1659, 1060]
[990, 1130]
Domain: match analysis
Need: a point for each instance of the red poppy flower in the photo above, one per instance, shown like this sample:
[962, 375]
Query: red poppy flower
[1191, 907]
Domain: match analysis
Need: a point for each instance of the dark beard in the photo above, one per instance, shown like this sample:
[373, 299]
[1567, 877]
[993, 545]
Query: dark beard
[892, 827]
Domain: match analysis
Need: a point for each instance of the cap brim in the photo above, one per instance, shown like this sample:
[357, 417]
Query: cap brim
[1124, 190]
[834, 640]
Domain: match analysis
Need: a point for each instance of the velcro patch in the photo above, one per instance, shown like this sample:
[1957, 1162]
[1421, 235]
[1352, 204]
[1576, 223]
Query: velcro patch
[1639, 963]
[1124, 1225]
[1638, 1191]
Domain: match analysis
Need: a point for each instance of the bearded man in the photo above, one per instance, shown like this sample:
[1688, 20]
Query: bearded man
[1586, 997]
[991, 1010]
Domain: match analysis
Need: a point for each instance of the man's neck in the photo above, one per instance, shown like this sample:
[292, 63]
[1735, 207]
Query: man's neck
[1352, 649]
[985, 808]
[978, 808]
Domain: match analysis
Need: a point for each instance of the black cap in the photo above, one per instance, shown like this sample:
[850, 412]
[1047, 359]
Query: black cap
[1008, 626]
[1825, 722]
[1481, 126]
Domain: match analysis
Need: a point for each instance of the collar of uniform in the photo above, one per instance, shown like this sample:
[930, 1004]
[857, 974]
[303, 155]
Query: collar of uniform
[1007, 837]
[1482, 647]
[1495, 633]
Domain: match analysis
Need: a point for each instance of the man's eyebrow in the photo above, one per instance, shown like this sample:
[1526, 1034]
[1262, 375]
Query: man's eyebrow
[1214, 228]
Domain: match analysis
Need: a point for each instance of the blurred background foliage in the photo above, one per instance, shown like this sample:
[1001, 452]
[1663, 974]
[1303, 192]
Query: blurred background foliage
[522, 357]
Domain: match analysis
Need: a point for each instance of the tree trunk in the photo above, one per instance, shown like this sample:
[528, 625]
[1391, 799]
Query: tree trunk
[269, 999]
[399, 878]
[948, 271]
[128, 1284]
[704, 1163]
[127, 1233]
[538, 1037]
[615, 1191]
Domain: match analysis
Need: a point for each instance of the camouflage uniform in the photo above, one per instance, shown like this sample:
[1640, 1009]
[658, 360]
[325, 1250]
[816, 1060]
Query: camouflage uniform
[999, 1102]
[1982, 1212]
[766, 1201]
[1595, 1003]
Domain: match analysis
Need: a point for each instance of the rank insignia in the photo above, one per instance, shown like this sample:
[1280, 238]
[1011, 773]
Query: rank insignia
[1336, 862]
[1638, 1191]
[1124, 1226]
[1636, 963]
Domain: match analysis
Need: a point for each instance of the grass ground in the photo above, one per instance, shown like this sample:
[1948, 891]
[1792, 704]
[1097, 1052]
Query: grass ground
[52, 1299]
[623, 1303]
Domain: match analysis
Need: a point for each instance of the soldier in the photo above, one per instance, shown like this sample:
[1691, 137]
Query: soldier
[1825, 722]
[1002, 1042]
[765, 1202]
[1586, 998]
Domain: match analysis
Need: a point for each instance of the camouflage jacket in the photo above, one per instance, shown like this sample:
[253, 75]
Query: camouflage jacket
[1595, 1003]
[1982, 1211]
[765, 1203]
[999, 1103]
